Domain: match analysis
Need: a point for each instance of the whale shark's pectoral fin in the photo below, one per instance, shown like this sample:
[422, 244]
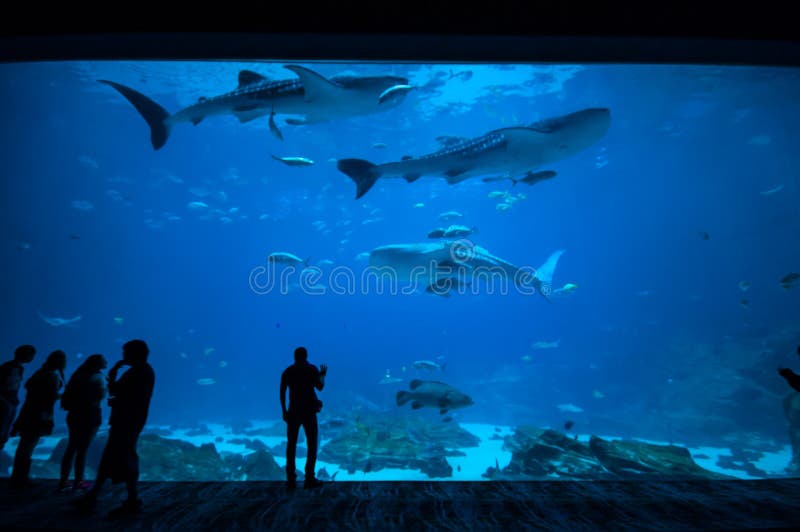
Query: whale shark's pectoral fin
[449, 263]
[248, 77]
[452, 175]
[416, 405]
[247, 112]
[246, 116]
[435, 290]
[315, 86]
[411, 177]
[196, 121]
[453, 172]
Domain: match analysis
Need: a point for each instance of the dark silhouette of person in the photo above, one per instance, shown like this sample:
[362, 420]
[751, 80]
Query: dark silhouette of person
[792, 378]
[36, 415]
[302, 378]
[129, 398]
[11, 374]
[81, 399]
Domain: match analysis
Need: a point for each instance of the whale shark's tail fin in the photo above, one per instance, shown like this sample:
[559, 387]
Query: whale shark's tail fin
[361, 171]
[153, 114]
[544, 274]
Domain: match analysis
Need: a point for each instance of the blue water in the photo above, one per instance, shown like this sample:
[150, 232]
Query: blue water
[652, 339]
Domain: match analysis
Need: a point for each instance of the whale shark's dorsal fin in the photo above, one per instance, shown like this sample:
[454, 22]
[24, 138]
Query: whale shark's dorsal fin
[315, 86]
[248, 77]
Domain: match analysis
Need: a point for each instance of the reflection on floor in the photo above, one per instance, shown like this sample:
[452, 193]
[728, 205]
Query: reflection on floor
[610, 505]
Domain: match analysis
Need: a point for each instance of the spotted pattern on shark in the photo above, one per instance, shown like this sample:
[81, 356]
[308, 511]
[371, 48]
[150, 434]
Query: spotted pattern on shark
[471, 147]
[260, 91]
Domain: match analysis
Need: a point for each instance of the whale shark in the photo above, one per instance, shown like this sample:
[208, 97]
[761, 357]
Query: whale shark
[510, 151]
[311, 95]
[429, 262]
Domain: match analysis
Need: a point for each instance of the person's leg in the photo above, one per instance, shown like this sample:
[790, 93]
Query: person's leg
[23, 458]
[311, 429]
[133, 468]
[7, 413]
[87, 433]
[106, 463]
[129, 459]
[292, 432]
[69, 453]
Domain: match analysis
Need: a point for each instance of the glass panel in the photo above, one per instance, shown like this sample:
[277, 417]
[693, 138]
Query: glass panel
[513, 271]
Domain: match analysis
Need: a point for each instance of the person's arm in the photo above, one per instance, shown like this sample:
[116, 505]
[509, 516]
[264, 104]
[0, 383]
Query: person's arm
[320, 384]
[98, 387]
[113, 387]
[51, 387]
[791, 377]
[283, 396]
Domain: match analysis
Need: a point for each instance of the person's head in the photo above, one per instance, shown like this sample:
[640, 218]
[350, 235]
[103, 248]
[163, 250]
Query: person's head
[56, 360]
[300, 354]
[24, 353]
[135, 352]
[94, 364]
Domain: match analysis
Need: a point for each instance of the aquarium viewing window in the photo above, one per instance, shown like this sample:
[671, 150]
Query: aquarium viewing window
[515, 266]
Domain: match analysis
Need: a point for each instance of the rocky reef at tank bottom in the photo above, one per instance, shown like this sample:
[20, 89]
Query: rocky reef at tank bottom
[376, 446]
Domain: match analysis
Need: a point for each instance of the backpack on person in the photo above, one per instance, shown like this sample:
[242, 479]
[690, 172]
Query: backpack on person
[10, 377]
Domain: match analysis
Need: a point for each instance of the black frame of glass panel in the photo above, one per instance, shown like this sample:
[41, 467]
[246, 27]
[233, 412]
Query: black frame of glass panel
[361, 47]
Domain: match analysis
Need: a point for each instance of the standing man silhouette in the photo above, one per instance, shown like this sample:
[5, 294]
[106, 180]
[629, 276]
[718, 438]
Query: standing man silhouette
[792, 378]
[302, 378]
[10, 381]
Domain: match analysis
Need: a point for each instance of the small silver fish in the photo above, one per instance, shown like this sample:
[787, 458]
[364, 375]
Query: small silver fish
[428, 365]
[458, 231]
[281, 257]
[294, 161]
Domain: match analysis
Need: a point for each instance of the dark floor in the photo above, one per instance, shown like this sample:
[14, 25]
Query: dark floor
[568, 505]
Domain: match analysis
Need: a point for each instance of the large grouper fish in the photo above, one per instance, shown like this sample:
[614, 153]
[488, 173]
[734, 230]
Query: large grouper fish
[315, 97]
[427, 263]
[511, 151]
[434, 394]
